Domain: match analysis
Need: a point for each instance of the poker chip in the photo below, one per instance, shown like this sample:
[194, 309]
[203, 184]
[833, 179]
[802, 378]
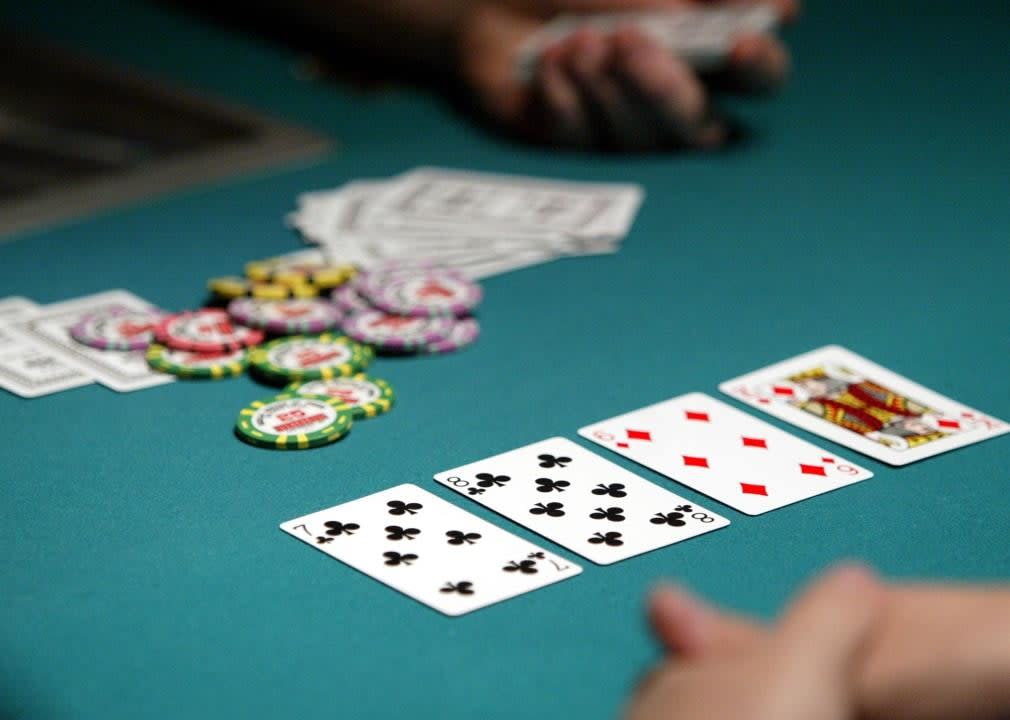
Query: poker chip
[301, 357]
[348, 299]
[227, 288]
[425, 294]
[397, 333]
[287, 271]
[117, 328]
[363, 395]
[284, 317]
[372, 282]
[186, 364]
[209, 330]
[293, 422]
[464, 332]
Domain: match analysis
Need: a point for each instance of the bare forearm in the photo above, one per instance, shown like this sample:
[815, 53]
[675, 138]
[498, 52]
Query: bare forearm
[941, 652]
[414, 33]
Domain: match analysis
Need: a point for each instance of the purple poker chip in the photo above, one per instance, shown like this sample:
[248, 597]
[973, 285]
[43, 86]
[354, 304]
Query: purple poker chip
[397, 333]
[464, 332]
[427, 294]
[371, 282]
[286, 317]
[347, 298]
[118, 327]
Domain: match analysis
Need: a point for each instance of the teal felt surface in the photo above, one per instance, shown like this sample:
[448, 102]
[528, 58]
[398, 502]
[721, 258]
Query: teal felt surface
[144, 574]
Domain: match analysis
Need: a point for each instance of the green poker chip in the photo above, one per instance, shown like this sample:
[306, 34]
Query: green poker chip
[365, 396]
[293, 422]
[301, 358]
[204, 366]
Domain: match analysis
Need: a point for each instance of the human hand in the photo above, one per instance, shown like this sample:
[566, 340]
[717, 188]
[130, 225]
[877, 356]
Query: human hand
[801, 668]
[618, 90]
[939, 652]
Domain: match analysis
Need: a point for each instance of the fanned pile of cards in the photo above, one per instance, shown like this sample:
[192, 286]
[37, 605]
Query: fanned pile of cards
[476, 223]
[455, 562]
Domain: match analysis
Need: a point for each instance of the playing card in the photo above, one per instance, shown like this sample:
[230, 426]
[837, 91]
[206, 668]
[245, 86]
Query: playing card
[475, 223]
[14, 307]
[701, 37]
[25, 368]
[846, 398]
[506, 201]
[581, 501]
[49, 329]
[727, 454]
[430, 550]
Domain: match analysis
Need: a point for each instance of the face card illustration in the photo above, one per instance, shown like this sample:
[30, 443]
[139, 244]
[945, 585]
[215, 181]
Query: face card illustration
[579, 500]
[431, 550]
[846, 398]
[727, 454]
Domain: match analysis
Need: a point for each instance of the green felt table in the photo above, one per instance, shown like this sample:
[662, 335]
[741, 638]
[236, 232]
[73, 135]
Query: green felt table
[144, 574]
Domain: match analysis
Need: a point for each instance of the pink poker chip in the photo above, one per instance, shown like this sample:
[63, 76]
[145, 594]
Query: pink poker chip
[429, 293]
[464, 332]
[286, 317]
[372, 280]
[118, 327]
[397, 333]
[347, 298]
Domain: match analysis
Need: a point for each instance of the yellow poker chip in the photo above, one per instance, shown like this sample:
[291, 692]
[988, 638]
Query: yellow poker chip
[292, 272]
[230, 287]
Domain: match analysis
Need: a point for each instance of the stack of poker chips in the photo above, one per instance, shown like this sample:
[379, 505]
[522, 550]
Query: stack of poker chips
[201, 344]
[416, 308]
[282, 278]
[280, 325]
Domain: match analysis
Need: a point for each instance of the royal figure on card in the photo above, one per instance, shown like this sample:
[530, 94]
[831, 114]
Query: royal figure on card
[844, 398]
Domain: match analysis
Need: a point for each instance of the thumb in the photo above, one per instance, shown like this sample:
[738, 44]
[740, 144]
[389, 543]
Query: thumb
[825, 629]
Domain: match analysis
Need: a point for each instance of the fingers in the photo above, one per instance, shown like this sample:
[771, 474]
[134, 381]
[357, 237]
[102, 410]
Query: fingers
[595, 93]
[756, 64]
[669, 89]
[689, 627]
[620, 122]
[561, 108]
[624, 91]
[825, 629]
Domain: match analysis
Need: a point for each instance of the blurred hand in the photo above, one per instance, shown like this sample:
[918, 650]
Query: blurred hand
[802, 668]
[938, 652]
[617, 90]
